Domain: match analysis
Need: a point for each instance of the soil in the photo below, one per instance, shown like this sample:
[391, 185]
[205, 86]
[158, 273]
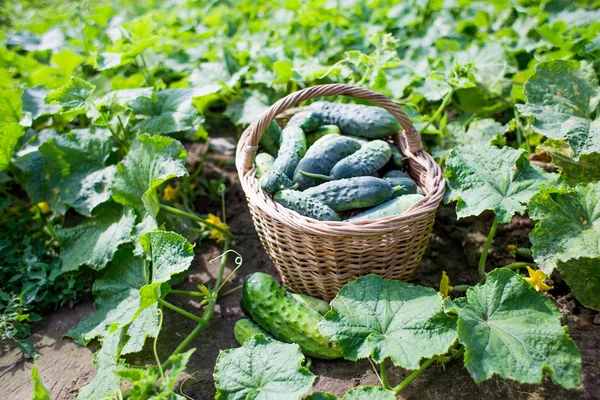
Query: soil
[454, 247]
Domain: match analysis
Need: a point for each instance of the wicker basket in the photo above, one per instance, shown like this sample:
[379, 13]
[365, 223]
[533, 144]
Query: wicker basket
[319, 258]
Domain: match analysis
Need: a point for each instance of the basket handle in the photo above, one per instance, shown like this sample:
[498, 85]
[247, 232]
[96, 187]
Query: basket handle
[255, 131]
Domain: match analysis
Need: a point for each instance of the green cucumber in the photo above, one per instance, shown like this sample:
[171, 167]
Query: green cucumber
[370, 158]
[321, 131]
[357, 119]
[271, 138]
[305, 205]
[321, 157]
[263, 164]
[244, 329]
[393, 207]
[402, 186]
[396, 161]
[291, 151]
[346, 194]
[319, 305]
[288, 320]
[307, 120]
[274, 181]
[396, 174]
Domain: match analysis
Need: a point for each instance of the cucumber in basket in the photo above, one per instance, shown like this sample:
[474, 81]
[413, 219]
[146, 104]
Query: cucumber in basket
[396, 161]
[307, 120]
[305, 205]
[357, 119]
[393, 207]
[402, 185]
[321, 157]
[368, 159]
[263, 164]
[346, 194]
[321, 131]
[274, 181]
[291, 151]
[288, 320]
[271, 138]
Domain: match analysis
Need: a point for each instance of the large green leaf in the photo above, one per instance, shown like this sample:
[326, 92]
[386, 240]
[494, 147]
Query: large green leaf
[358, 393]
[10, 106]
[248, 108]
[95, 241]
[377, 318]
[170, 253]
[567, 225]
[9, 135]
[75, 170]
[583, 277]
[151, 161]
[563, 99]
[34, 104]
[74, 95]
[510, 329]
[586, 169]
[483, 177]
[262, 369]
[145, 324]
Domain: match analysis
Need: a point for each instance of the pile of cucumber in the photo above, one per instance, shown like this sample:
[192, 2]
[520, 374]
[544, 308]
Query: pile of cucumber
[332, 160]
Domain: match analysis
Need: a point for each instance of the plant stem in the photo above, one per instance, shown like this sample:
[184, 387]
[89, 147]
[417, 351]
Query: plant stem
[48, 225]
[195, 218]
[186, 293]
[383, 376]
[518, 127]
[520, 264]
[486, 247]
[179, 310]
[440, 109]
[227, 293]
[412, 376]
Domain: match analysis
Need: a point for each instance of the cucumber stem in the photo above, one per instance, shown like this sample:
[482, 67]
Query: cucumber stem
[402, 385]
[486, 247]
[187, 293]
[316, 176]
[520, 264]
[195, 218]
[383, 376]
[179, 310]
[439, 111]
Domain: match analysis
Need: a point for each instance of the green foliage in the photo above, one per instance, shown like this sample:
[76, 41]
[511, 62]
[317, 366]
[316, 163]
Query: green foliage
[358, 393]
[40, 391]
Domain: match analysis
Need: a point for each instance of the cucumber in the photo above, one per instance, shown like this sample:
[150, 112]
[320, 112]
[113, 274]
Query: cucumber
[357, 119]
[305, 205]
[319, 305]
[396, 161]
[263, 164]
[402, 186]
[288, 320]
[291, 151]
[396, 174]
[244, 329]
[320, 132]
[271, 138]
[274, 181]
[321, 157]
[370, 158]
[307, 120]
[393, 207]
[346, 194]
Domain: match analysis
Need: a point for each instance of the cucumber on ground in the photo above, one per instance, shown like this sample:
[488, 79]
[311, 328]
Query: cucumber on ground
[402, 186]
[305, 205]
[396, 174]
[370, 158]
[291, 151]
[356, 119]
[307, 120]
[271, 138]
[288, 320]
[319, 305]
[393, 207]
[263, 164]
[320, 132]
[346, 194]
[274, 181]
[244, 329]
[321, 157]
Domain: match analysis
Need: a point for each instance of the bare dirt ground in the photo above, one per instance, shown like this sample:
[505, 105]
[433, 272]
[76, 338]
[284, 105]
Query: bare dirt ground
[66, 367]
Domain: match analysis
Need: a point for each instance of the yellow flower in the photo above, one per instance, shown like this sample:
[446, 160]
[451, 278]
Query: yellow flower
[214, 233]
[537, 279]
[171, 193]
[445, 285]
[512, 250]
[44, 207]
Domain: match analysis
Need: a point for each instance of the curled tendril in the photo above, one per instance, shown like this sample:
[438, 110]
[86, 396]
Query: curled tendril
[238, 260]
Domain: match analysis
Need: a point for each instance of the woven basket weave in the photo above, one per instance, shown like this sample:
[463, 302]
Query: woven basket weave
[319, 257]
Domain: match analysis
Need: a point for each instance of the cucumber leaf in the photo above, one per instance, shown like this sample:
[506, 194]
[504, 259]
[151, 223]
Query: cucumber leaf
[483, 177]
[10, 106]
[77, 94]
[9, 135]
[510, 329]
[262, 369]
[563, 99]
[357, 393]
[146, 324]
[567, 225]
[34, 104]
[586, 169]
[40, 391]
[583, 277]
[170, 253]
[377, 318]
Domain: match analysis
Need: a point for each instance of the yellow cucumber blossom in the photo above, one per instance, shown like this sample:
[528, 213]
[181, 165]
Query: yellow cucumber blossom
[445, 285]
[44, 207]
[171, 193]
[214, 233]
[537, 279]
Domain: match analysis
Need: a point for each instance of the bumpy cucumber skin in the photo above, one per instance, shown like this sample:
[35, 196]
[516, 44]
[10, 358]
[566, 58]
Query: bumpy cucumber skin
[244, 329]
[396, 174]
[371, 157]
[291, 151]
[402, 186]
[358, 120]
[263, 164]
[276, 311]
[305, 205]
[307, 120]
[393, 207]
[321, 158]
[271, 138]
[347, 194]
[274, 181]
[320, 132]
[396, 161]
[320, 306]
